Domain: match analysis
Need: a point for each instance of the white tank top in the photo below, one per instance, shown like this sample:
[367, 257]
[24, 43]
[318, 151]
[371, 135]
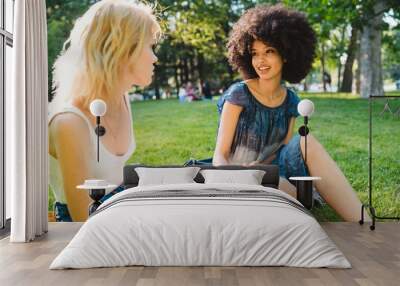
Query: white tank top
[110, 167]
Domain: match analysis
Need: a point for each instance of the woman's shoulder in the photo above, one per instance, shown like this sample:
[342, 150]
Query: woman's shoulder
[69, 135]
[237, 87]
[237, 94]
[292, 96]
[292, 101]
[68, 124]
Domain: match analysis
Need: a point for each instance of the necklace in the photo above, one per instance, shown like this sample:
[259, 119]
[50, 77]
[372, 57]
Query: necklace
[262, 97]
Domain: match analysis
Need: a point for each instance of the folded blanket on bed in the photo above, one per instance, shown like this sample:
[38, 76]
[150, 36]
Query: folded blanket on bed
[205, 194]
[201, 224]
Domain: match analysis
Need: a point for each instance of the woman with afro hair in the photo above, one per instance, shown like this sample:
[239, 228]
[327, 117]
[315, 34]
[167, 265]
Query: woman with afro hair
[268, 45]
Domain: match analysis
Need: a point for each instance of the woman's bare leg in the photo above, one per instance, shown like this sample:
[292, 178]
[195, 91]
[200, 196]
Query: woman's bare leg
[333, 187]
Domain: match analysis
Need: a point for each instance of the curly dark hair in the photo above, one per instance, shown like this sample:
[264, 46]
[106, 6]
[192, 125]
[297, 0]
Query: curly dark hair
[286, 30]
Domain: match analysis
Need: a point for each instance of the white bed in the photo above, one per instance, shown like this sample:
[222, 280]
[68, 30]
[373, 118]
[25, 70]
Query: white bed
[224, 225]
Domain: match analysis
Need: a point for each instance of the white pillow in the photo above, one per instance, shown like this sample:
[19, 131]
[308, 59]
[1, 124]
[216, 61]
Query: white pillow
[163, 176]
[249, 177]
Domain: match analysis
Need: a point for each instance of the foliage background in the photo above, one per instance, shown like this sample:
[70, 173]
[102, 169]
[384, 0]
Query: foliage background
[196, 31]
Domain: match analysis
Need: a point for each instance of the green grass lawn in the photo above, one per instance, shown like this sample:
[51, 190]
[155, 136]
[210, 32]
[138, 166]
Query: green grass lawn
[168, 132]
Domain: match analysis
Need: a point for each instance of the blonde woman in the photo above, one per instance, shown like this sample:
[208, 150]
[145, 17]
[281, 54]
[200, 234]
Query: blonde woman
[109, 50]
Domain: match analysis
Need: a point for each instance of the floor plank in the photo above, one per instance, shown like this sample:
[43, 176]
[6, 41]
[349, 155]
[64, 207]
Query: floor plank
[374, 255]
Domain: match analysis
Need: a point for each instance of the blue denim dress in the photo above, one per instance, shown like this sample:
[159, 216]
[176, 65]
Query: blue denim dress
[260, 131]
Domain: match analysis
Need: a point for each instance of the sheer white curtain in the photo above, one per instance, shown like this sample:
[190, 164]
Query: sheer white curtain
[26, 123]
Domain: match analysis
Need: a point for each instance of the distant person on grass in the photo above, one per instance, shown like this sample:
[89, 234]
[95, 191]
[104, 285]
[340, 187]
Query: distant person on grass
[257, 116]
[206, 90]
[182, 93]
[326, 77]
[191, 92]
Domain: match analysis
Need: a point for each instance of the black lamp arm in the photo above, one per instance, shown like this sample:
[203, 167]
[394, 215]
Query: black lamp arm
[303, 131]
[100, 131]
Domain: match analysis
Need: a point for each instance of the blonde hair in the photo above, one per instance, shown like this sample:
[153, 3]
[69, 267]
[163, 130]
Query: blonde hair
[109, 34]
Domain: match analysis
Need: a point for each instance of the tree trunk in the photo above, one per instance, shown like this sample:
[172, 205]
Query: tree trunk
[371, 81]
[339, 73]
[358, 74]
[323, 65]
[156, 83]
[358, 58]
[200, 67]
[185, 70]
[347, 81]
[305, 85]
[177, 82]
[192, 69]
[339, 60]
[181, 73]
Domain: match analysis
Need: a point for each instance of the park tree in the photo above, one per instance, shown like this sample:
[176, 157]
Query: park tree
[195, 36]
[193, 47]
[391, 56]
[372, 12]
[365, 20]
[61, 16]
[371, 81]
[347, 81]
[329, 19]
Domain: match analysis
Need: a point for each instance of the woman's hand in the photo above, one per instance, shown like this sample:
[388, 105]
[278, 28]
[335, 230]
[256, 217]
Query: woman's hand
[258, 162]
[254, 163]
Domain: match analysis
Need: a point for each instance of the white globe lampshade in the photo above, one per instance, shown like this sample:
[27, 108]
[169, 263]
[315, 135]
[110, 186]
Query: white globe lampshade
[98, 107]
[305, 107]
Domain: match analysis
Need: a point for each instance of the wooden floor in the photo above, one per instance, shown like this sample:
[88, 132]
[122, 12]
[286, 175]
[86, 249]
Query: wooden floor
[374, 255]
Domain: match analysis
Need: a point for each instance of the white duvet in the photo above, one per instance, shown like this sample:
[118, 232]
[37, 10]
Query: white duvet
[183, 231]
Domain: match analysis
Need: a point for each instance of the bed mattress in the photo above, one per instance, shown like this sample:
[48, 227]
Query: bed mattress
[201, 225]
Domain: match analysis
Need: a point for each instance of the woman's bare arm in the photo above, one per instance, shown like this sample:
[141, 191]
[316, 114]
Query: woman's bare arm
[289, 135]
[227, 127]
[71, 139]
